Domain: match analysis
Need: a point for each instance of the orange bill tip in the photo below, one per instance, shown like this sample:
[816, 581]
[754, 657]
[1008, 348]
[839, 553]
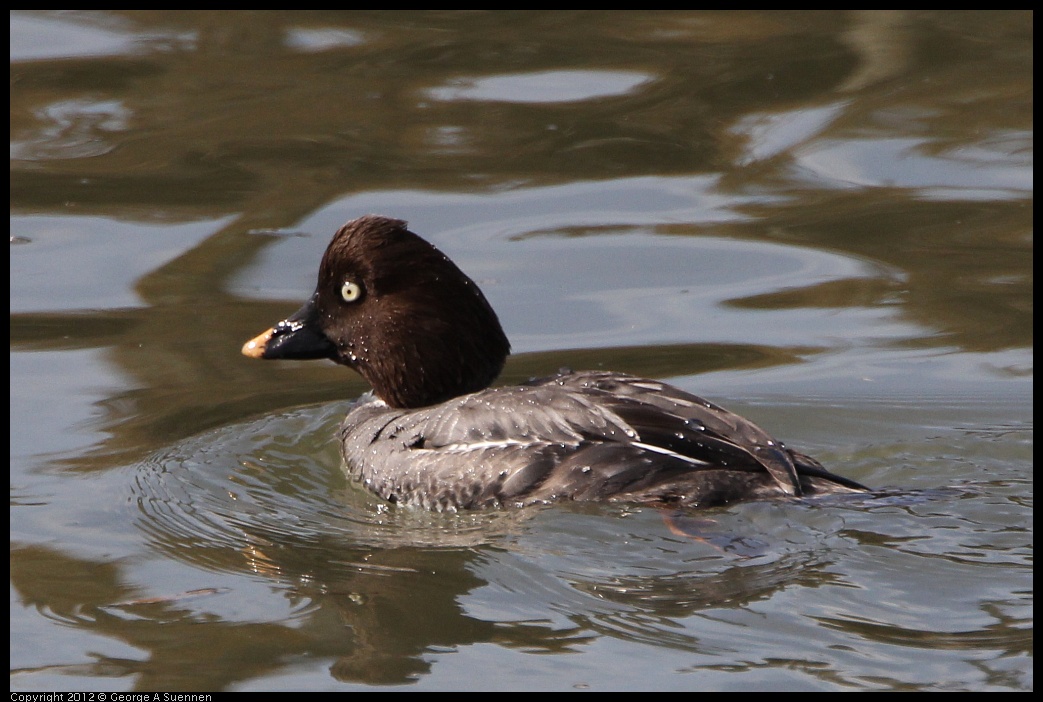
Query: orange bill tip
[254, 348]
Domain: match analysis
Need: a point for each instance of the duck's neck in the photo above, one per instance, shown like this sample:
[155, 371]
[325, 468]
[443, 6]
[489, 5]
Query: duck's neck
[439, 359]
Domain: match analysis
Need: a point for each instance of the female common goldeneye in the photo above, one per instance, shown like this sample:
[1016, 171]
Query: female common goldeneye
[434, 434]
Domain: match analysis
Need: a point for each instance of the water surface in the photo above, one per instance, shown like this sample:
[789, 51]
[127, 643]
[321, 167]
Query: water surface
[822, 221]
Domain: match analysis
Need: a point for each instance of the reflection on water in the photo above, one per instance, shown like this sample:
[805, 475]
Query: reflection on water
[822, 220]
[547, 87]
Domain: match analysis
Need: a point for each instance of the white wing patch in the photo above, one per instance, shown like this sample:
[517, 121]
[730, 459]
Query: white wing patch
[483, 445]
[668, 452]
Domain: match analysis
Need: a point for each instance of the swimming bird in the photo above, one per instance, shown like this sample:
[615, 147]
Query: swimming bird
[433, 432]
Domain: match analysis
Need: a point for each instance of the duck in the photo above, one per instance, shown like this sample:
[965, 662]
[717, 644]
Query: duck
[435, 433]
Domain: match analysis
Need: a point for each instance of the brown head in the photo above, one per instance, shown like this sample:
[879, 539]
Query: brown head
[398, 311]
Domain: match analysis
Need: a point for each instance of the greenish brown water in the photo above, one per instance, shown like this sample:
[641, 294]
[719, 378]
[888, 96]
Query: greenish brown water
[820, 220]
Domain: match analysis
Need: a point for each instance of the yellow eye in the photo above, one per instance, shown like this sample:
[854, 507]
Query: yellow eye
[350, 291]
